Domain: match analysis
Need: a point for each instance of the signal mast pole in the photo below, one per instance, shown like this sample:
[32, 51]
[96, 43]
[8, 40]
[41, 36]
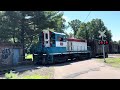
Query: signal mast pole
[103, 50]
[102, 35]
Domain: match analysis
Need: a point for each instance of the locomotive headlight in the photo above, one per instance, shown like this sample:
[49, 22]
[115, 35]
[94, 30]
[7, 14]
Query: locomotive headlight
[44, 54]
[35, 54]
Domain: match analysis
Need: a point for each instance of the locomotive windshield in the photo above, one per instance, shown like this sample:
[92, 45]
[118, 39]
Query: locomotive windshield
[60, 39]
[52, 36]
[46, 36]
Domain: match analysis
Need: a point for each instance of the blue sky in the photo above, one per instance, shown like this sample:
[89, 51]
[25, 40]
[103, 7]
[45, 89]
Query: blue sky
[111, 19]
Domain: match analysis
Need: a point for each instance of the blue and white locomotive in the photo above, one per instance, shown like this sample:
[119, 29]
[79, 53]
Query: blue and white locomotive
[55, 47]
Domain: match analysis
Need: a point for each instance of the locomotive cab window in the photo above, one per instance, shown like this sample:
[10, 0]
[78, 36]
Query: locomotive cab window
[46, 36]
[64, 38]
[46, 42]
[52, 36]
[52, 41]
[61, 39]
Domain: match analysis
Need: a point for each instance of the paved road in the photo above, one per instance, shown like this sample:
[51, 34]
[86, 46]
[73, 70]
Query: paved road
[88, 69]
[114, 55]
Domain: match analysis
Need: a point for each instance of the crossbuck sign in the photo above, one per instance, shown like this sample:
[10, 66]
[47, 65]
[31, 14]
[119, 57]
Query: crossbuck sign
[102, 34]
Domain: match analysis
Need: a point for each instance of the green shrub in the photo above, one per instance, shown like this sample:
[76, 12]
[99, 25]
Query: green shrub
[10, 75]
[29, 56]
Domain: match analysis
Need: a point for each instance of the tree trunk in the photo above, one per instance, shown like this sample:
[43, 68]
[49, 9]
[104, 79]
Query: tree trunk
[14, 38]
[22, 34]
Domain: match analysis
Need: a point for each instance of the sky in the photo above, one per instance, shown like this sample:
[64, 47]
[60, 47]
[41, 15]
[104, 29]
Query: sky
[111, 20]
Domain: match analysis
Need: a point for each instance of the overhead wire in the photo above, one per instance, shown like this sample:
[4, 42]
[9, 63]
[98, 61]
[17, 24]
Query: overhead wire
[87, 16]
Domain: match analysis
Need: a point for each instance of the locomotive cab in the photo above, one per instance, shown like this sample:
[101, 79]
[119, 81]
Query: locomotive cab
[53, 42]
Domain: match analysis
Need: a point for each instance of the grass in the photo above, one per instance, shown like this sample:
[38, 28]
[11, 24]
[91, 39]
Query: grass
[35, 77]
[29, 56]
[115, 62]
[12, 75]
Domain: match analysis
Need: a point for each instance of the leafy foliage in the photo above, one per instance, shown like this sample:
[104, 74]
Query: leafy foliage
[90, 29]
[25, 26]
[10, 75]
[119, 42]
[75, 25]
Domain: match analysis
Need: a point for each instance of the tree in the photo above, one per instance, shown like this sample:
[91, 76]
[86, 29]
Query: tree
[90, 30]
[119, 42]
[70, 35]
[56, 21]
[109, 35]
[81, 33]
[16, 27]
[115, 42]
[75, 25]
[4, 33]
[49, 19]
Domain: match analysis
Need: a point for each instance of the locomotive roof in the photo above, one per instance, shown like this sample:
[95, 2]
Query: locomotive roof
[76, 40]
[59, 33]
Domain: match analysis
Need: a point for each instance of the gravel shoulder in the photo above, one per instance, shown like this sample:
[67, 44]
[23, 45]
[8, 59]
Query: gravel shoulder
[42, 71]
[22, 71]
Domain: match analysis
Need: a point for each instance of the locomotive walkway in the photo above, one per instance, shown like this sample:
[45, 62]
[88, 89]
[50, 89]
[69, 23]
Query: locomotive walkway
[88, 69]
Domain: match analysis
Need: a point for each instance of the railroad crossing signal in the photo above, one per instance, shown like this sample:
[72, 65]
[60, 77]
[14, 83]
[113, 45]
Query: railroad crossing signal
[102, 42]
[102, 34]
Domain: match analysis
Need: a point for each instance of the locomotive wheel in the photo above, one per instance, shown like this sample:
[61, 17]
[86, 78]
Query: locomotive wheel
[35, 59]
[44, 62]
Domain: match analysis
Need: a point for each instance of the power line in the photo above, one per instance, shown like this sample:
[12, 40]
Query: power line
[87, 16]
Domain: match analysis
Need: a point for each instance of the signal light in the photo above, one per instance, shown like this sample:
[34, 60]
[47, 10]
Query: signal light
[103, 42]
[106, 42]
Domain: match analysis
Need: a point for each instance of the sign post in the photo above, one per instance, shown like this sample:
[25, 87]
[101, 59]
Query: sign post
[102, 34]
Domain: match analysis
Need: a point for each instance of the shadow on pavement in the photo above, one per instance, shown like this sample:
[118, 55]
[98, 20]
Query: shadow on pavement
[22, 69]
[68, 62]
